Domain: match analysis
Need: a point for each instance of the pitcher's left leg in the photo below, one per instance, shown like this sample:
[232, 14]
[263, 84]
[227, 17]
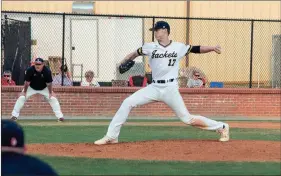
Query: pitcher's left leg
[141, 97]
[174, 100]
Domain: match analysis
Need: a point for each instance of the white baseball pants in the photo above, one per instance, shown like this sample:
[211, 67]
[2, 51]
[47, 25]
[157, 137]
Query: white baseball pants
[168, 94]
[29, 92]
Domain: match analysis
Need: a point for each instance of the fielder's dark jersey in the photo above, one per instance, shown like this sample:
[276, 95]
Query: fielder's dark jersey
[15, 164]
[38, 80]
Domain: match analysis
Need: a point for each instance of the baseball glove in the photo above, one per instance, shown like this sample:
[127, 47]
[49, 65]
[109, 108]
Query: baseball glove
[126, 66]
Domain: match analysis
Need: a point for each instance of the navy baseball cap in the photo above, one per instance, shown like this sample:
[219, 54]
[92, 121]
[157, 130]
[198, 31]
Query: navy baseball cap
[11, 134]
[161, 25]
[39, 61]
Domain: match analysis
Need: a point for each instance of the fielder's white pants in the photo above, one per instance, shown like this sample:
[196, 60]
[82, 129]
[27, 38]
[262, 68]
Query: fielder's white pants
[154, 92]
[22, 99]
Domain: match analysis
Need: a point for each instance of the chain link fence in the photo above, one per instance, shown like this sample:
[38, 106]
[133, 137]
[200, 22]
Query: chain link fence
[15, 43]
[93, 45]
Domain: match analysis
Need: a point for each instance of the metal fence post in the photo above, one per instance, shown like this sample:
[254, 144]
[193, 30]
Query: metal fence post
[30, 29]
[187, 41]
[251, 53]
[153, 22]
[63, 40]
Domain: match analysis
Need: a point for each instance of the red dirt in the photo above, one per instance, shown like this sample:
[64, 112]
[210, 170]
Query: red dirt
[180, 150]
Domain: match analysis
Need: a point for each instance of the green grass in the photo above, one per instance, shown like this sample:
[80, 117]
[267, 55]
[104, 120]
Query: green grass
[67, 134]
[87, 166]
[91, 166]
[22, 121]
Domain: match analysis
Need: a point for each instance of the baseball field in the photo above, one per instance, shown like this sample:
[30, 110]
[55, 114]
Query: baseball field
[155, 147]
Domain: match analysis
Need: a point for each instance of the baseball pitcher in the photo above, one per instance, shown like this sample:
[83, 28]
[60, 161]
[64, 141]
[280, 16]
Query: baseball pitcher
[164, 60]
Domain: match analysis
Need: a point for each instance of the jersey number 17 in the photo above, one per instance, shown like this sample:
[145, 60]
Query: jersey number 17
[172, 62]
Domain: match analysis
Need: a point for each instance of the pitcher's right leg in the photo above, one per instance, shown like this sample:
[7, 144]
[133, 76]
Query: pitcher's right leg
[174, 100]
[141, 97]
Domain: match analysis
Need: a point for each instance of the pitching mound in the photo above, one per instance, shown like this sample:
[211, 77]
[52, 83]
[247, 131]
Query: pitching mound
[180, 150]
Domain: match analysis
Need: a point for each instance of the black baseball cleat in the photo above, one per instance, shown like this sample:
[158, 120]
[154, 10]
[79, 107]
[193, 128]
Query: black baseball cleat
[61, 119]
[14, 118]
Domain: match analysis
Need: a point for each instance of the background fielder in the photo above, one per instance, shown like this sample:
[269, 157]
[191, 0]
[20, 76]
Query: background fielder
[164, 59]
[38, 80]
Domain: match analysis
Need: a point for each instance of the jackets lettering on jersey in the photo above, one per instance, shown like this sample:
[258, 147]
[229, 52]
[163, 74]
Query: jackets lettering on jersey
[163, 55]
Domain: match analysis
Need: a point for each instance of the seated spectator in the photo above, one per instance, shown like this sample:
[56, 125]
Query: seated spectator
[188, 72]
[57, 80]
[137, 81]
[119, 83]
[204, 80]
[89, 75]
[7, 79]
[195, 82]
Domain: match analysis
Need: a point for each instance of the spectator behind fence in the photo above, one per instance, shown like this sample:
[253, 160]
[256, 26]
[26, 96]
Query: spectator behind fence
[137, 81]
[14, 159]
[89, 75]
[57, 80]
[7, 79]
[195, 82]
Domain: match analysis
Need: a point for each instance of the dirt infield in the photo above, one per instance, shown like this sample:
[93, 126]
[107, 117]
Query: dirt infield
[179, 150]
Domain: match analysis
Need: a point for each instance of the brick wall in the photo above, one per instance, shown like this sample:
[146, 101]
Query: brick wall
[78, 101]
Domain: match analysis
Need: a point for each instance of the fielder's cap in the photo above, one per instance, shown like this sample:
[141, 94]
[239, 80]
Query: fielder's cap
[12, 134]
[160, 25]
[39, 61]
